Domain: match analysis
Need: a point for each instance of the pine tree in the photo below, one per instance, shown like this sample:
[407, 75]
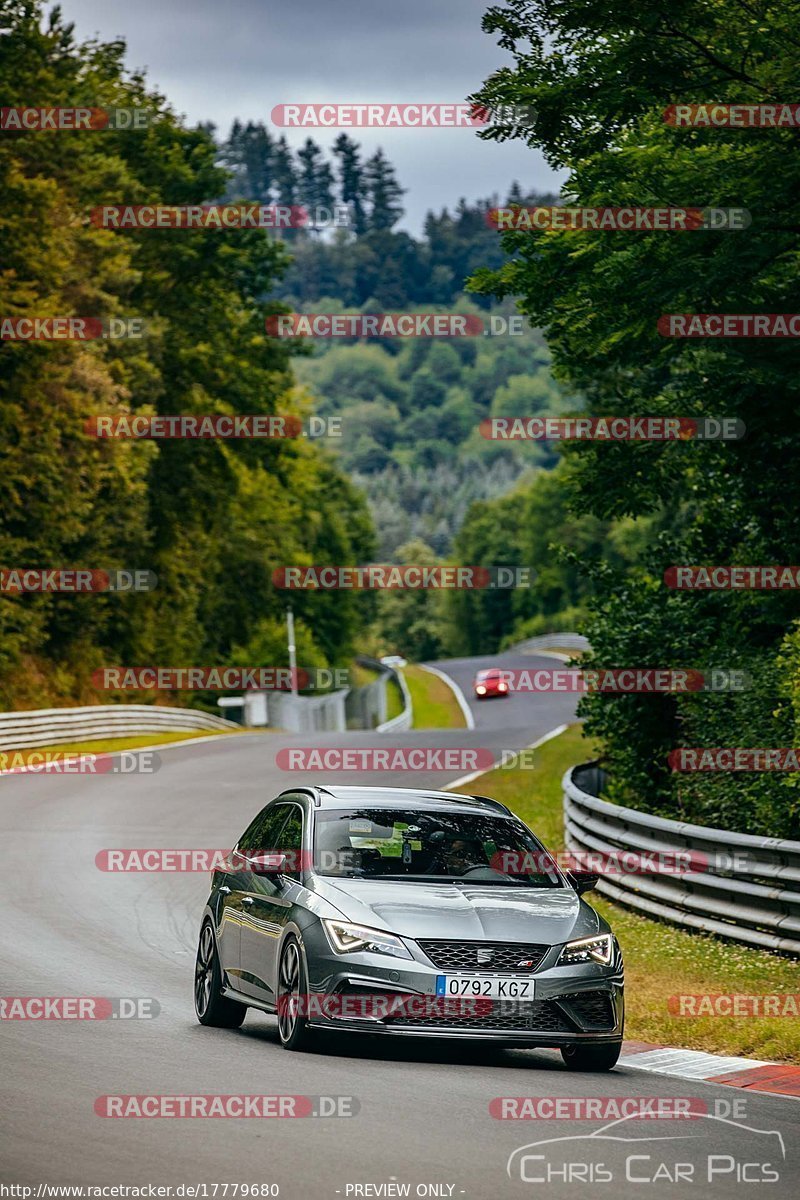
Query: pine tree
[316, 179]
[231, 157]
[326, 185]
[284, 174]
[384, 192]
[257, 152]
[351, 180]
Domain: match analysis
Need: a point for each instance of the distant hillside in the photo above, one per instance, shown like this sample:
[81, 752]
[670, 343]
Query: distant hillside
[410, 409]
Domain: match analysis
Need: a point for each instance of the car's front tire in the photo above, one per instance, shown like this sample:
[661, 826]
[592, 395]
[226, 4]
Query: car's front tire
[211, 1006]
[292, 997]
[602, 1056]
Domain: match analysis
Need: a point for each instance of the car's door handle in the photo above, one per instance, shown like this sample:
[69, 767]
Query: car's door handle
[224, 891]
[247, 900]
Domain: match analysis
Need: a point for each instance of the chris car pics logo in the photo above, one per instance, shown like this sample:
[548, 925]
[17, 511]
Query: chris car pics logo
[710, 1149]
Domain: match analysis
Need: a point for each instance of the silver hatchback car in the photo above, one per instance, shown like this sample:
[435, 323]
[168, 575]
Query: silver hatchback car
[393, 911]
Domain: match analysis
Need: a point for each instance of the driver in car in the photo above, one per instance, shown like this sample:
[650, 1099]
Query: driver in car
[461, 856]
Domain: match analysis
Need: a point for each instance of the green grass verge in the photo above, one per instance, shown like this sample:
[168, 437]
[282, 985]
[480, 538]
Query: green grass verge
[360, 675]
[435, 705]
[563, 650]
[394, 699]
[660, 960]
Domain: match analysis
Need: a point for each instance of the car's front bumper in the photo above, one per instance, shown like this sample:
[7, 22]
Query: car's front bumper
[571, 1004]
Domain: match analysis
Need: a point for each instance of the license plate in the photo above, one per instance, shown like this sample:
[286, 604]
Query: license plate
[496, 987]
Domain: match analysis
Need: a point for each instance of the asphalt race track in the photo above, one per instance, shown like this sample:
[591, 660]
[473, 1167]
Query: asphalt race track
[69, 929]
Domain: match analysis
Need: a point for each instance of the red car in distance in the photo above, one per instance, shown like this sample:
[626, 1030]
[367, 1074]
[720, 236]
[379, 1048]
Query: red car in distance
[490, 683]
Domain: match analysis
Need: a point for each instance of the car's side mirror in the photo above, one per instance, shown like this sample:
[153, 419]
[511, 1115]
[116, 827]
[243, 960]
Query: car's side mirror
[270, 865]
[583, 881]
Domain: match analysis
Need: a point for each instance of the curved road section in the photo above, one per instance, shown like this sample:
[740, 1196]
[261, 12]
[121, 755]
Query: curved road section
[423, 1125]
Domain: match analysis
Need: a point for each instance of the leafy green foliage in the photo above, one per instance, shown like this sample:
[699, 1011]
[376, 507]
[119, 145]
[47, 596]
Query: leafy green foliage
[211, 519]
[600, 76]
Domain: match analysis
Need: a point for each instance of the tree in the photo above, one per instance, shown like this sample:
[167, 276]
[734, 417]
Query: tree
[409, 622]
[600, 76]
[384, 192]
[284, 173]
[211, 519]
[315, 179]
[351, 180]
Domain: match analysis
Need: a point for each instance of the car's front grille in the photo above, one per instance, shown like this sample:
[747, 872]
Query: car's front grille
[538, 1016]
[484, 957]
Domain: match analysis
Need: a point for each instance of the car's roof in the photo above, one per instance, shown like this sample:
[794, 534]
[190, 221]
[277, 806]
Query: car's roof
[346, 795]
[489, 671]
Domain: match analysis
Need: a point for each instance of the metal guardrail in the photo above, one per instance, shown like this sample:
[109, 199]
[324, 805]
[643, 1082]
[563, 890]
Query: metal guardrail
[748, 890]
[567, 641]
[307, 714]
[53, 726]
[402, 720]
[405, 719]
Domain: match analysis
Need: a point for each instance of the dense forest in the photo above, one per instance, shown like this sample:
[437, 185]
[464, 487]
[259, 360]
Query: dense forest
[602, 78]
[412, 479]
[211, 519]
[410, 410]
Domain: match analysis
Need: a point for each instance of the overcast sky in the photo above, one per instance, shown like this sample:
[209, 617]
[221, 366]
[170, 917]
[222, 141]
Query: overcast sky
[239, 58]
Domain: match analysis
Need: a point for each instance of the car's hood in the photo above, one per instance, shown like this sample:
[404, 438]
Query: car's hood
[469, 912]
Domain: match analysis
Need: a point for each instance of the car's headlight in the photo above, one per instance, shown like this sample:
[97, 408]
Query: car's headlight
[347, 939]
[599, 949]
[480, 689]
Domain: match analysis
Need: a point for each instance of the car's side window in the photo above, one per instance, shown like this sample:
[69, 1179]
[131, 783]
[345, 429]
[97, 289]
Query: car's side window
[291, 840]
[264, 832]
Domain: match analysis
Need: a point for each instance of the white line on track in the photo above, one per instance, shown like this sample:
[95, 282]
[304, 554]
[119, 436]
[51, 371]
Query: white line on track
[559, 729]
[457, 692]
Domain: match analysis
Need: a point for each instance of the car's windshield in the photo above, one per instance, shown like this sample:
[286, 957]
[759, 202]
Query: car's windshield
[390, 843]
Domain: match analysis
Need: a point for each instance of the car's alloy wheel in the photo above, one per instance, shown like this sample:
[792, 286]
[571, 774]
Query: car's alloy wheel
[601, 1056]
[292, 990]
[211, 1006]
